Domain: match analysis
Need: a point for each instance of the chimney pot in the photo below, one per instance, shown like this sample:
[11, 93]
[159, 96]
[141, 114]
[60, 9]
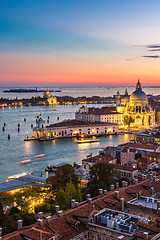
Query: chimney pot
[123, 184]
[0, 232]
[90, 200]
[105, 191]
[40, 215]
[152, 190]
[111, 187]
[73, 203]
[40, 221]
[117, 184]
[48, 219]
[146, 235]
[76, 204]
[88, 196]
[19, 224]
[56, 209]
[122, 204]
[100, 191]
[60, 213]
[117, 195]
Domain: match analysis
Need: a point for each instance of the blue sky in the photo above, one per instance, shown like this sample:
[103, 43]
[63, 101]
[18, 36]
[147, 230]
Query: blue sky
[86, 31]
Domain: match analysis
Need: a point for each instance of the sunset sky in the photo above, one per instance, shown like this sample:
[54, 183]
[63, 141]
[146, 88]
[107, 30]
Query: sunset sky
[78, 42]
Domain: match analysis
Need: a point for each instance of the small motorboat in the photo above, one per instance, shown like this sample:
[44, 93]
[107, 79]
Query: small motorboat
[40, 156]
[88, 141]
[24, 162]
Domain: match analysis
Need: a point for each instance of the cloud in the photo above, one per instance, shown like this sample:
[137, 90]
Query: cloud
[153, 46]
[151, 56]
[154, 50]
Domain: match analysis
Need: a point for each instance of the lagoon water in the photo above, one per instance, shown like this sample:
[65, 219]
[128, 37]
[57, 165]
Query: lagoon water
[61, 150]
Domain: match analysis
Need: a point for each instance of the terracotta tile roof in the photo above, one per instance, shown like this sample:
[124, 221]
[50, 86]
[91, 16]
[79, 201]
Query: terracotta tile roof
[143, 146]
[98, 158]
[149, 227]
[127, 168]
[75, 123]
[67, 226]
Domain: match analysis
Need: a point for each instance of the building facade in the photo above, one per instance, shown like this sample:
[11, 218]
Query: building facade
[72, 128]
[104, 114]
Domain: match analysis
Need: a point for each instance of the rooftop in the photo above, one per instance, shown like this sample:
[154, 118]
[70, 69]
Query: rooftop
[72, 123]
[69, 225]
[25, 181]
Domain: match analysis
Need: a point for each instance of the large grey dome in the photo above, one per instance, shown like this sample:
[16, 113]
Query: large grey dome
[138, 95]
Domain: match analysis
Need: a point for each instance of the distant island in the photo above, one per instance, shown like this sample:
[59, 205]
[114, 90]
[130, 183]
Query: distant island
[24, 90]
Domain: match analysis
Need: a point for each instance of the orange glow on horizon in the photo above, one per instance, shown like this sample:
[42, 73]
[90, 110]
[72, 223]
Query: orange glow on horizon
[27, 69]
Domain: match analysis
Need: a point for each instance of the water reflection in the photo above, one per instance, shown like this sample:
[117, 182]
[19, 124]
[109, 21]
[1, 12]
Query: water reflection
[27, 147]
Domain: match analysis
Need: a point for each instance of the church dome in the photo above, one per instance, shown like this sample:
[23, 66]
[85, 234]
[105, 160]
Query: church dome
[138, 94]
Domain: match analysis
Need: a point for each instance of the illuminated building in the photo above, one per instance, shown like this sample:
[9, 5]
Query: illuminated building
[72, 128]
[136, 110]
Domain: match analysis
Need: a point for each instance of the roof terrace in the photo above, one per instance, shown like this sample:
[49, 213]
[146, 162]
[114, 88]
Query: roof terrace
[118, 222]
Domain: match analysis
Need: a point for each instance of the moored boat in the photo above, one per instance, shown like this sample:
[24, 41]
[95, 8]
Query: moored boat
[88, 141]
[24, 162]
[39, 156]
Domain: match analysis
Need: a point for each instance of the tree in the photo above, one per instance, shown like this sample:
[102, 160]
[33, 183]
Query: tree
[102, 175]
[64, 175]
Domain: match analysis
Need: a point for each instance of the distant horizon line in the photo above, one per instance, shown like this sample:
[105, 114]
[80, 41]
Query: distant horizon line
[76, 86]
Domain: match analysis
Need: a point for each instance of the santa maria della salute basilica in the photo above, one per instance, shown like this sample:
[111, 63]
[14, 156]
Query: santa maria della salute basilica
[135, 108]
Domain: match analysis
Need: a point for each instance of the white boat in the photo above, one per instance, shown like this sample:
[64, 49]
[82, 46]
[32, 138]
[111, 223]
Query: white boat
[39, 156]
[24, 162]
[88, 141]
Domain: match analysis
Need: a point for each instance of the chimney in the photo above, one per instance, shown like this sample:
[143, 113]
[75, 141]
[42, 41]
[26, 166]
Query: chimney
[76, 204]
[142, 177]
[40, 215]
[123, 183]
[152, 190]
[88, 196]
[140, 193]
[19, 222]
[145, 235]
[117, 195]
[145, 176]
[150, 176]
[111, 187]
[40, 221]
[60, 213]
[136, 181]
[158, 204]
[100, 191]
[105, 191]
[0, 232]
[56, 209]
[154, 178]
[48, 219]
[73, 203]
[117, 184]
[158, 222]
[126, 184]
[89, 200]
[122, 204]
